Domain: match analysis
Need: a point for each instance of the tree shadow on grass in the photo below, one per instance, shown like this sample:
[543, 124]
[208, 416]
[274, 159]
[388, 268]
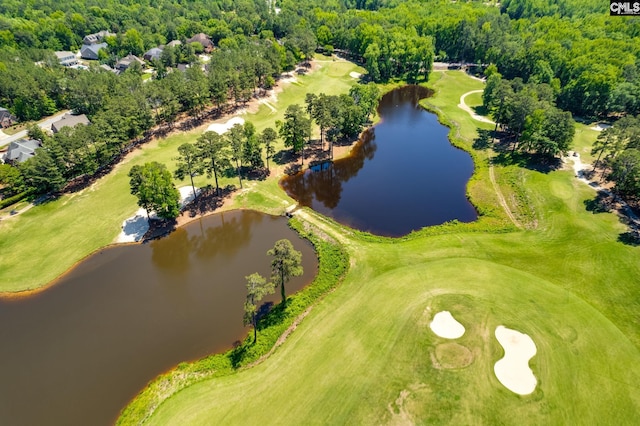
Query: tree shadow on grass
[540, 163]
[268, 315]
[602, 203]
[484, 140]
[630, 238]
[480, 110]
[285, 156]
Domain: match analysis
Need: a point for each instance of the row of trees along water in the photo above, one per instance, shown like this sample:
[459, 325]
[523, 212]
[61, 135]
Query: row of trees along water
[240, 150]
[589, 60]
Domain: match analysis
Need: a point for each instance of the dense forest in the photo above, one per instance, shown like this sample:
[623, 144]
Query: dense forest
[548, 59]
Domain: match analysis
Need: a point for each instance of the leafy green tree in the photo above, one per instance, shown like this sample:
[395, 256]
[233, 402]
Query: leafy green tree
[43, 173]
[625, 171]
[268, 137]
[257, 288]
[35, 132]
[151, 183]
[189, 163]
[286, 264]
[235, 138]
[12, 179]
[295, 129]
[213, 149]
[251, 151]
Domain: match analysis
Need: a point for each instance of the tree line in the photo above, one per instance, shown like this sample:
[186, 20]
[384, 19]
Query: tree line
[618, 156]
[242, 148]
[528, 113]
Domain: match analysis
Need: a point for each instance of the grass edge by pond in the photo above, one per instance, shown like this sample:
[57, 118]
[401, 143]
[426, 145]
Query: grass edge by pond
[333, 263]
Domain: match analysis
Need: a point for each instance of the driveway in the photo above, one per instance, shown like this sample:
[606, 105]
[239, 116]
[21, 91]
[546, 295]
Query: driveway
[44, 124]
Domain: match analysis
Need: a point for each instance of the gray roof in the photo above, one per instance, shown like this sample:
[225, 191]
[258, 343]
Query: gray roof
[21, 150]
[70, 121]
[125, 62]
[153, 53]
[90, 51]
[107, 68]
[96, 37]
[65, 54]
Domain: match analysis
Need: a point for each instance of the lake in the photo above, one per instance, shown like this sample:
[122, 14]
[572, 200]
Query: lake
[78, 352]
[402, 175]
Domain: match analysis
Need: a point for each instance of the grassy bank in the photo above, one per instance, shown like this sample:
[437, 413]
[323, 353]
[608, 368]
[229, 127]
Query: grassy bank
[366, 355]
[42, 243]
[332, 266]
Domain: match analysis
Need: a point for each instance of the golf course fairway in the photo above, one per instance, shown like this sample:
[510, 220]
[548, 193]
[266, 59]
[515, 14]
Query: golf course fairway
[365, 353]
[366, 356]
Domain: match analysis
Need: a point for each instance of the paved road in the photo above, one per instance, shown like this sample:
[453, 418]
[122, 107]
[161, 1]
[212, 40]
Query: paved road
[44, 124]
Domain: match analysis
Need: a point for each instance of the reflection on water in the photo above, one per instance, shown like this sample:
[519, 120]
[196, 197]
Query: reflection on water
[401, 176]
[77, 352]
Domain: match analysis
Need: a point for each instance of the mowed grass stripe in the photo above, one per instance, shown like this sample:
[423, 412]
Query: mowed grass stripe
[43, 243]
[369, 342]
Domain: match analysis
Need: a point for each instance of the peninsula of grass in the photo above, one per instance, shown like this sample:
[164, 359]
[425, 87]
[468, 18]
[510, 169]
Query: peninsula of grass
[365, 353]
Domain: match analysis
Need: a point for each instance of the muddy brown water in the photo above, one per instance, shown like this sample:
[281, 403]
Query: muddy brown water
[403, 175]
[76, 353]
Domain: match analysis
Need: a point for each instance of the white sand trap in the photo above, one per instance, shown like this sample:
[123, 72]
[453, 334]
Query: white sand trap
[354, 74]
[134, 228]
[186, 194]
[221, 128]
[600, 127]
[446, 326]
[513, 370]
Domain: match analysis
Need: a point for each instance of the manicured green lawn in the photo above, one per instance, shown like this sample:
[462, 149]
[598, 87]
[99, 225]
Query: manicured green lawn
[569, 285]
[44, 242]
[583, 140]
[366, 355]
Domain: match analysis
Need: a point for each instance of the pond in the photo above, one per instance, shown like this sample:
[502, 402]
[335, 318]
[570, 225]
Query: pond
[76, 353]
[403, 174]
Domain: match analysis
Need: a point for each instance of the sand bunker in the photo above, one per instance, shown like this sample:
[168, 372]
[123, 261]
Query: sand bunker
[446, 326]
[513, 370]
[354, 74]
[186, 194]
[600, 127]
[134, 228]
[221, 128]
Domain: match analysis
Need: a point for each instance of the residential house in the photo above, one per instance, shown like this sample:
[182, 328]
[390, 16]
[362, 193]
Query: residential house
[69, 120]
[123, 64]
[108, 68]
[152, 54]
[20, 151]
[204, 40]
[66, 58]
[6, 118]
[90, 51]
[96, 38]
[174, 43]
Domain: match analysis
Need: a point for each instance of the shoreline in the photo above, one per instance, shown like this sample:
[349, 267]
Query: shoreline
[184, 218]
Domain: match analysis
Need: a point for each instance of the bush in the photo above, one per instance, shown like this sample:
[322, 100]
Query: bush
[12, 200]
